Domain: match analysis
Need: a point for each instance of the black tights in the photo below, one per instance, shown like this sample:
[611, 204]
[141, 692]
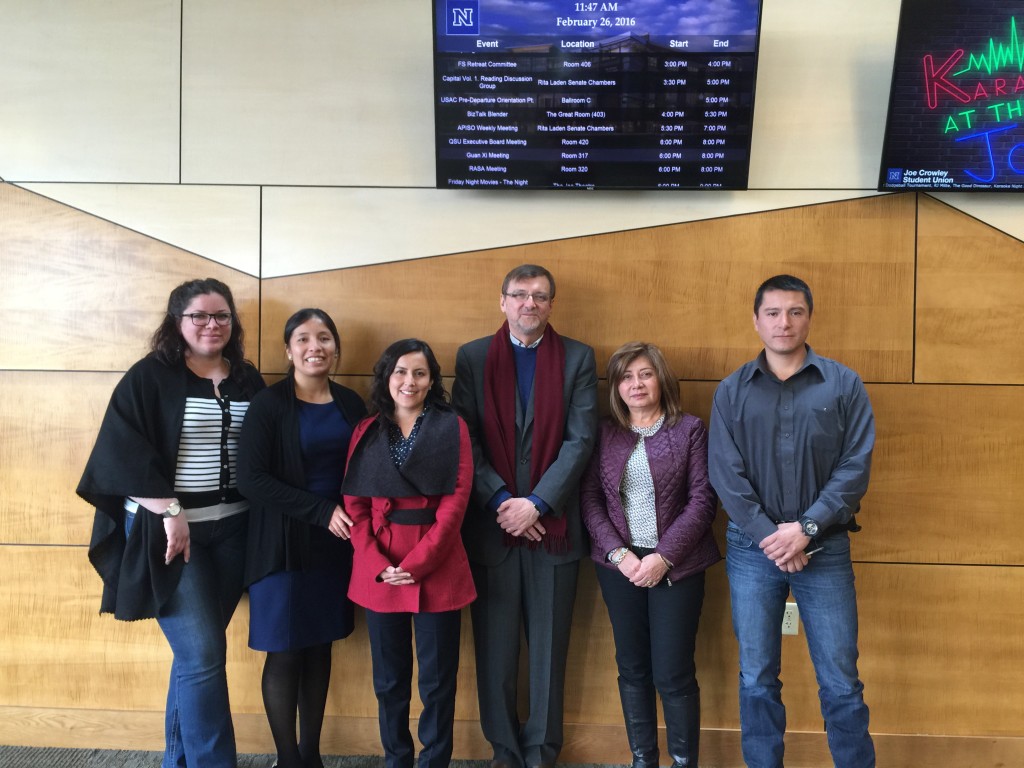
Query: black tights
[296, 682]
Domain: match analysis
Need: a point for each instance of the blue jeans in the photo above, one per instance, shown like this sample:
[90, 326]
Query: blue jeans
[825, 592]
[199, 732]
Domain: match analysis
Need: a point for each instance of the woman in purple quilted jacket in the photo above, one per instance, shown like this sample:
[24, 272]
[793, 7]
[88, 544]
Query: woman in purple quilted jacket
[648, 505]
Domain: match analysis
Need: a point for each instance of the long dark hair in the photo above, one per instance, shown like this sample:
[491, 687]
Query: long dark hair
[304, 316]
[380, 395]
[167, 344]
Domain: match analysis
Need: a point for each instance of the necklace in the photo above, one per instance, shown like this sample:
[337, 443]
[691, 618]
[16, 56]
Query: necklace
[647, 422]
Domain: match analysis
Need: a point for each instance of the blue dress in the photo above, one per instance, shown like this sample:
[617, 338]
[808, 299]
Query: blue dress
[291, 610]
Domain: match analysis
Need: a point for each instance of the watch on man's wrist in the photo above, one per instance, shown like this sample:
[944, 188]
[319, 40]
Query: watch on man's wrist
[173, 509]
[809, 526]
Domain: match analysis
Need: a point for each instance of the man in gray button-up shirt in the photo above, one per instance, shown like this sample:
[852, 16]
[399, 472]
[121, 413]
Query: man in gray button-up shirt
[789, 455]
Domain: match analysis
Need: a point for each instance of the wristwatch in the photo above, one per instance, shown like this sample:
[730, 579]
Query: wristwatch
[809, 526]
[616, 556]
[173, 509]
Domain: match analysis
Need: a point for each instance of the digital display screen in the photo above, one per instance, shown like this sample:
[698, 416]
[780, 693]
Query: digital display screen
[955, 109]
[627, 94]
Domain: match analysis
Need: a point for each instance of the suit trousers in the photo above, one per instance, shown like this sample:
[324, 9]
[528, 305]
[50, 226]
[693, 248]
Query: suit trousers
[437, 652]
[525, 590]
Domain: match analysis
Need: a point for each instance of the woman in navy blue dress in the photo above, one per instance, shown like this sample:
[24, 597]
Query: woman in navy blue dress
[291, 463]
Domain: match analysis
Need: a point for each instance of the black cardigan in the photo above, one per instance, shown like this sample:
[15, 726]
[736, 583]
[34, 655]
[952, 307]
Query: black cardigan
[136, 454]
[271, 476]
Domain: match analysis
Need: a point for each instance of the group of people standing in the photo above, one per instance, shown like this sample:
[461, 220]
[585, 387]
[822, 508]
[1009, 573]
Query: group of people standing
[207, 483]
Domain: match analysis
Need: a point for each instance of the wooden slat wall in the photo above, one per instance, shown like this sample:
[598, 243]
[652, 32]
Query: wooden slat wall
[82, 294]
[970, 301]
[917, 297]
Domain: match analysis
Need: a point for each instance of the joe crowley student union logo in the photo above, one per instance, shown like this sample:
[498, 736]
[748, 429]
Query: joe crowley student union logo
[463, 17]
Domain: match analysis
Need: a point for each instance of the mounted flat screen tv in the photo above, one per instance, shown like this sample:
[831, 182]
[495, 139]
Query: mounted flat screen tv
[955, 107]
[620, 94]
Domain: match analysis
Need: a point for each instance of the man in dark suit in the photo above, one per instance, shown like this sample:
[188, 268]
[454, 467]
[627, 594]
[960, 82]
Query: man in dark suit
[530, 399]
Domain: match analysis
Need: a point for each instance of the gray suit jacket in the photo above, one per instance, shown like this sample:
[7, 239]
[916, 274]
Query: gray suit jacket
[559, 485]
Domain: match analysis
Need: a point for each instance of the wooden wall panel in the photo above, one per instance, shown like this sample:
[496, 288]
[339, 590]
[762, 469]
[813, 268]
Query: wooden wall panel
[58, 652]
[941, 648]
[43, 451]
[688, 287]
[970, 300]
[946, 481]
[80, 293]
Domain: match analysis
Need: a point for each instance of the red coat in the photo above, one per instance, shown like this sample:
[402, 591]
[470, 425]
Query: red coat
[433, 553]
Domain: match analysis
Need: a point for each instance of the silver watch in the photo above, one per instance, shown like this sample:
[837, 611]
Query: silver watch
[173, 509]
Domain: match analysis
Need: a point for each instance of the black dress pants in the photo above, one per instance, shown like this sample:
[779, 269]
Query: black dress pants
[655, 630]
[437, 652]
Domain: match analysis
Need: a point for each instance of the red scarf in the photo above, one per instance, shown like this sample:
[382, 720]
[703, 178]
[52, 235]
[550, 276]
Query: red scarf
[500, 394]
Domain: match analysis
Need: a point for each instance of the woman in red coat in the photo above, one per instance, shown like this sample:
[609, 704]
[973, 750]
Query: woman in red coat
[410, 472]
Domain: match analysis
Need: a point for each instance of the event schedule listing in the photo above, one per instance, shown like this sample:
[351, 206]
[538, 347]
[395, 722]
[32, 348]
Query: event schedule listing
[593, 102]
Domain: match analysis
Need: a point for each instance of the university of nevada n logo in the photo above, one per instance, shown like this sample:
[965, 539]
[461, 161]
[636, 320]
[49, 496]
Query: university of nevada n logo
[463, 17]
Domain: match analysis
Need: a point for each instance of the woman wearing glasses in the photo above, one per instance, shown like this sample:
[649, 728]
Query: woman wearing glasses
[409, 476]
[290, 467]
[170, 527]
[648, 504]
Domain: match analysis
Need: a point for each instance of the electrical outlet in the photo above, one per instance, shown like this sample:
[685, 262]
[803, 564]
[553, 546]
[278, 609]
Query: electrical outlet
[791, 620]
